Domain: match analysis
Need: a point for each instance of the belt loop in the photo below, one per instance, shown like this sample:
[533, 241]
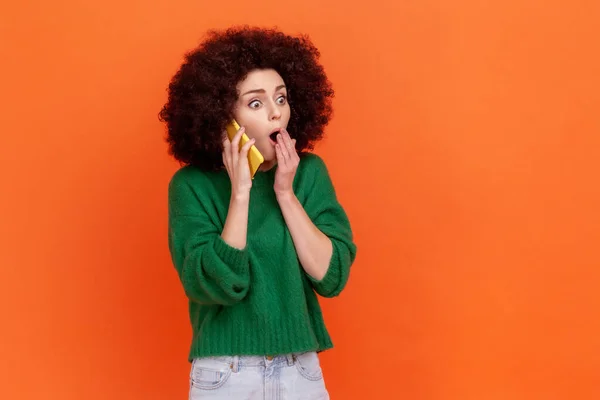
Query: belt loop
[291, 359]
[235, 365]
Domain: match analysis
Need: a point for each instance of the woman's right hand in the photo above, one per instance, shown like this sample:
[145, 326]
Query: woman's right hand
[236, 163]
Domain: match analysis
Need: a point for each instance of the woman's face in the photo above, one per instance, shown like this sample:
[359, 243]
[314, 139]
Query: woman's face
[262, 108]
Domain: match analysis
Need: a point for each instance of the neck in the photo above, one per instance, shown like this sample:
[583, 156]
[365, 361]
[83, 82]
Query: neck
[267, 165]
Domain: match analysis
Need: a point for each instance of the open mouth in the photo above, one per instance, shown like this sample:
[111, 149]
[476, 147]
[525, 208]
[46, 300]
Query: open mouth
[273, 135]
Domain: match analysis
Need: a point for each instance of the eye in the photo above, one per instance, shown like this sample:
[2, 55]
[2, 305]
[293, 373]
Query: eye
[254, 104]
[281, 100]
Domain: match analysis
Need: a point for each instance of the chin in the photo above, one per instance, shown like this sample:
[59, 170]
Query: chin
[268, 163]
[268, 155]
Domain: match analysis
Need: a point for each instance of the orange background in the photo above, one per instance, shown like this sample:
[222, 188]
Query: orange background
[475, 203]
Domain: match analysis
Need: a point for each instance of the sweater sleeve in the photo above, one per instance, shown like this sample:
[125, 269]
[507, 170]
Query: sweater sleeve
[327, 214]
[211, 271]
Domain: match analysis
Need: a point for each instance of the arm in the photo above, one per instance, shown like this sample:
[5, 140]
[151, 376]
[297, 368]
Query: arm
[320, 230]
[235, 231]
[213, 266]
[314, 248]
[327, 214]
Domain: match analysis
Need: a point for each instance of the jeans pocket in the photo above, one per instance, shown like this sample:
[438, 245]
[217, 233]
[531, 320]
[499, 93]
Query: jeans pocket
[308, 366]
[210, 373]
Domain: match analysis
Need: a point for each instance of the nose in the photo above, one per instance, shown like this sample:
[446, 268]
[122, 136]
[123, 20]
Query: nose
[274, 112]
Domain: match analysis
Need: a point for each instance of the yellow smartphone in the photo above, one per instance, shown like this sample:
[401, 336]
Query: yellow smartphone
[255, 159]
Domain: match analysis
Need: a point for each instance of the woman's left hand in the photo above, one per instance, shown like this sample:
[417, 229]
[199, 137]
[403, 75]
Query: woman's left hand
[287, 163]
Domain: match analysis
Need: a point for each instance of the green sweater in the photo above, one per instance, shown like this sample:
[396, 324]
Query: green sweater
[259, 300]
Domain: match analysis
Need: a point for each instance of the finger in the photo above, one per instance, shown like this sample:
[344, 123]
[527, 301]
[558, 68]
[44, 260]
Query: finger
[279, 153]
[295, 155]
[243, 160]
[282, 146]
[236, 139]
[225, 161]
[226, 149]
[291, 147]
[288, 140]
[246, 148]
[235, 143]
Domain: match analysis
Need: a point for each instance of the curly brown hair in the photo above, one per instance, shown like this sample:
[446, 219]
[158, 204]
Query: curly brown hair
[202, 93]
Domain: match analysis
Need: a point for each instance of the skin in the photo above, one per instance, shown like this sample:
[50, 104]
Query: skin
[260, 109]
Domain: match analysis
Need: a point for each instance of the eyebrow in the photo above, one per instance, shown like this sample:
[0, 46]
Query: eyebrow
[263, 90]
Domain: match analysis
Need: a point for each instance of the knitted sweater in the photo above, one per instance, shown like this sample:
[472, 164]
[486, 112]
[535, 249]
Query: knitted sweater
[259, 300]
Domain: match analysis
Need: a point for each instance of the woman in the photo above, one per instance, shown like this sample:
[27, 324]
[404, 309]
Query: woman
[253, 252]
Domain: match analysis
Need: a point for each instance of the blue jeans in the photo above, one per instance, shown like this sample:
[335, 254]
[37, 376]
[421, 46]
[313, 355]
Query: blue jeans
[288, 377]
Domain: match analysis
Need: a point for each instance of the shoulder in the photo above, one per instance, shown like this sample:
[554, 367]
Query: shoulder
[192, 179]
[190, 174]
[313, 177]
[312, 164]
[183, 176]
